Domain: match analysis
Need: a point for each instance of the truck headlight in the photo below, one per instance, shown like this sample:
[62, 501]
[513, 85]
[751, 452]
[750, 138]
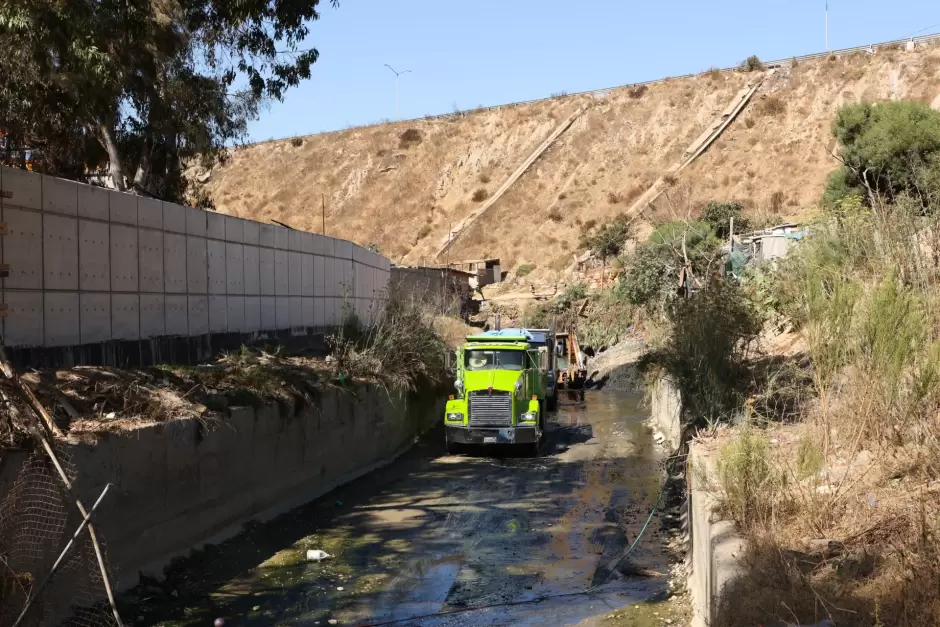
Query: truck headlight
[455, 417]
[529, 416]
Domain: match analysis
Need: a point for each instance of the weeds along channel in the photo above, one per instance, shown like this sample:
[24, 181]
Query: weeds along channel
[814, 384]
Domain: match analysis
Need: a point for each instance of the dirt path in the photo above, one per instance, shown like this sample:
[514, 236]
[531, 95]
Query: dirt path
[434, 533]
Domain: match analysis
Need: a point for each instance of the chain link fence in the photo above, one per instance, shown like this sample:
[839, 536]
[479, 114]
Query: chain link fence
[38, 518]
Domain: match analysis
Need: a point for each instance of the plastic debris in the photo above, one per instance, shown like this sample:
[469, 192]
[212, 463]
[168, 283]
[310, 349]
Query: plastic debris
[316, 555]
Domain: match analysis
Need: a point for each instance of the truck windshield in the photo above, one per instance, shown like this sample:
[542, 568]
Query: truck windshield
[494, 360]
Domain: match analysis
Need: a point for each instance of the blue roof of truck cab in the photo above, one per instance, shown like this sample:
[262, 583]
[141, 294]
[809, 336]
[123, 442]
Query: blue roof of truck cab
[512, 334]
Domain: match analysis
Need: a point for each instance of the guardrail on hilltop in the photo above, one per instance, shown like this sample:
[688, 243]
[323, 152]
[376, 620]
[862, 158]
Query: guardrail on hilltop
[870, 48]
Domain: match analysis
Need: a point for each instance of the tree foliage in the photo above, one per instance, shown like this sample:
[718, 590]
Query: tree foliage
[654, 269]
[143, 85]
[719, 214]
[887, 149]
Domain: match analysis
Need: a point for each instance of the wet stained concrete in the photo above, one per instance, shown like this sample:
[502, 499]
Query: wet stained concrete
[439, 534]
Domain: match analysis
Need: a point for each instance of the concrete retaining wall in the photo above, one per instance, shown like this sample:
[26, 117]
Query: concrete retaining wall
[88, 265]
[716, 544]
[666, 411]
[177, 486]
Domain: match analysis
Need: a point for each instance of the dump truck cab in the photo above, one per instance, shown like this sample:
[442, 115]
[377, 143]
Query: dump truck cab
[501, 390]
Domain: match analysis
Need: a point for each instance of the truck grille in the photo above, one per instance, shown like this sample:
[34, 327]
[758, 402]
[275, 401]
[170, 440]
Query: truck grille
[490, 409]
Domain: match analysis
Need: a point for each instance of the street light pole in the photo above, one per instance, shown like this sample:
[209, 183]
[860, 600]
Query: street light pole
[397, 90]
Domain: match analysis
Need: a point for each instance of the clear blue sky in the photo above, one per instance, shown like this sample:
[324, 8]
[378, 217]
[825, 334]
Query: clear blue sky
[497, 51]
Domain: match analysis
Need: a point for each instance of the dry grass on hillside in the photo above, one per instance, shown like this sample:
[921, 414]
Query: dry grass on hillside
[405, 185]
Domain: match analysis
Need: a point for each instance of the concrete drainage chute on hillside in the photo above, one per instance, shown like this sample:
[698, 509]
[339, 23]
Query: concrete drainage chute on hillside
[467, 222]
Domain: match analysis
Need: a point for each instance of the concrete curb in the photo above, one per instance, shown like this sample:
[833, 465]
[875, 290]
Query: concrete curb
[716, 545]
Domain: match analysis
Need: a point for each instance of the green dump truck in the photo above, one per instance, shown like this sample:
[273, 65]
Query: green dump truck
[505, 384]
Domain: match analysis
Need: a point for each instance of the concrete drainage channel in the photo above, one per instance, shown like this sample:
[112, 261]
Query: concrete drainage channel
[712, 546]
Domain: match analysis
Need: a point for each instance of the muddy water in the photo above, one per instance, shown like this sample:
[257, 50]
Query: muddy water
[439, 534]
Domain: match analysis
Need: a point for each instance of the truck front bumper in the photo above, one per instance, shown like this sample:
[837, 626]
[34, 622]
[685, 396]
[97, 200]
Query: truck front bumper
[478, 435]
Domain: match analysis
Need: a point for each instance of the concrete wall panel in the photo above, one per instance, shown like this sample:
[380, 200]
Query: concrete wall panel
[306, 275]
[150, 245]
[306, 242]
[318, 269]
[94, 256]
[95, 316]
[59, 196]
[150, 213]
[174, 217]
[93, 202]
[252, 314]
[215, 225]
[266, 235]
[218, 308]
[152, 315]
[60, 252]
[195, 221]
[330, 284]
[23, 325]
[234, 229]
[268, 313]
[282, 312]
[296, 312]
[216, 256]
[319, 311]
[125, 316]
[295, 263]
[123, 208]
[25, 186]
[307, 311]
[198, 315]
[281, 273]
[177, 314]
[235, 314]
[281, 236]
[124, 259]
[234, 268]
[174, 263]
[252, 232]
[342, 249]
[267, 271]
[22, 248]
[349, 279]
[295, 241]
[197, 266]
[252, 270]
[319, 243]
[61, 315]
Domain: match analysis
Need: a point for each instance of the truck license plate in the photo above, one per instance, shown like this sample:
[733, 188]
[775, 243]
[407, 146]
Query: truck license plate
[489, 440]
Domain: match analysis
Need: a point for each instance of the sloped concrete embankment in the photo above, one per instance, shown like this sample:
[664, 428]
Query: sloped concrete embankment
[177, 485]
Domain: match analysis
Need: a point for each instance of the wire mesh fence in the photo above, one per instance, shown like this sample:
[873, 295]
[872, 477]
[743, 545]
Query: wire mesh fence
[38, 517]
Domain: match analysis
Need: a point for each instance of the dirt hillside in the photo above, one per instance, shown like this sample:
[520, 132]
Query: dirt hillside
[404, 186]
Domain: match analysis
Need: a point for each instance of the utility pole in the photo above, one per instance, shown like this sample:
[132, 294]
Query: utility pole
[397, 89]
[323, 213]
[827, 25]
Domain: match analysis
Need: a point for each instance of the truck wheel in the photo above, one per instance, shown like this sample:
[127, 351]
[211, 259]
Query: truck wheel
[531, 450]
[452, 448]
[553, 401]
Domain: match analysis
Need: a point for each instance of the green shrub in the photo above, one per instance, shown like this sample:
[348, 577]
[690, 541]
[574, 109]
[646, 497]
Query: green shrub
[524, 270]
[411, 137]
[609, 240]
[480, 195]
[719, 214]
[752, 64]
[752, 488]
[705, 353]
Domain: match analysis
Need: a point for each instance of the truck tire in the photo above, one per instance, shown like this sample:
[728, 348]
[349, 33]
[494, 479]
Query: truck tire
[531, 450]
[553, 401]
[452, 447]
